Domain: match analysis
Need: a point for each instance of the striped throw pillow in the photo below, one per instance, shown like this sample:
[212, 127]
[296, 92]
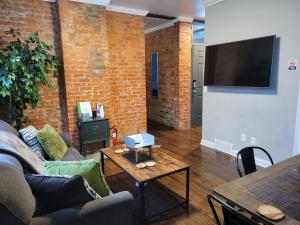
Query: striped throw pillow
[29, 135]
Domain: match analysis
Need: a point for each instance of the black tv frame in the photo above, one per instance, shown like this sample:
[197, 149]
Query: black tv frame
[240, 86]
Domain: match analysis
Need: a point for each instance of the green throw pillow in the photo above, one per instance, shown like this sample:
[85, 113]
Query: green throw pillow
[89, 169]
[52, 143]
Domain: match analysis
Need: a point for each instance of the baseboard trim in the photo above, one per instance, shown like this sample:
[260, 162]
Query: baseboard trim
[210, 144]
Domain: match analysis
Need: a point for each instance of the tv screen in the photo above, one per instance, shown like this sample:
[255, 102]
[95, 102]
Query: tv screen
[244, 63]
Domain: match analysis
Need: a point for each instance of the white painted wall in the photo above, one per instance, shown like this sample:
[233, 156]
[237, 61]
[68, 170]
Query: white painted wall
[267, 114]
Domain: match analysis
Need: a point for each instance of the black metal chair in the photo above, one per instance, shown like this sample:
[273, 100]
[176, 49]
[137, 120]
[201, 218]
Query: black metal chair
[248, 159]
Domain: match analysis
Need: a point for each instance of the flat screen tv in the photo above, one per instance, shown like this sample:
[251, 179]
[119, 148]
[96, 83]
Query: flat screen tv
[245, 63]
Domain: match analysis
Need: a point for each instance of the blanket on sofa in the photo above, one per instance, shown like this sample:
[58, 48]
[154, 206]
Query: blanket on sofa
[12, 145]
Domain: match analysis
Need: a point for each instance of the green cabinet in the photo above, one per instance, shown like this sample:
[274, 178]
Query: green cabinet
[94, 130]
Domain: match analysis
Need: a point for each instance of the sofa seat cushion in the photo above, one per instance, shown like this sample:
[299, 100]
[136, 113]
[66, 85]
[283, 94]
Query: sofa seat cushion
[89, 169]
[54, 192]
[16, 198]
[72, 154]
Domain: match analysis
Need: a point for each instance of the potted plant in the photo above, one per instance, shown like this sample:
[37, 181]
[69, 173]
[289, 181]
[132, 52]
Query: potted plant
[24, 67]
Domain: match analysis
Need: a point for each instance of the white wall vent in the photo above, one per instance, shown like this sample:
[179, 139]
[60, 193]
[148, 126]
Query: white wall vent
[223, 146]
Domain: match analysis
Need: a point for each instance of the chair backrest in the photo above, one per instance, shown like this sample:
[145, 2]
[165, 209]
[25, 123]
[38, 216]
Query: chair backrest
[248, 159]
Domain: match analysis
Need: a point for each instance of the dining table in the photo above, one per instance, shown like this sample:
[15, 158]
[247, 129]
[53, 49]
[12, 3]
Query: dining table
[277, 185]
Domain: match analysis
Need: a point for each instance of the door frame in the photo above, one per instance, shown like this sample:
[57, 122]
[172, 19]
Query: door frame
[191, 78]
[296, 146]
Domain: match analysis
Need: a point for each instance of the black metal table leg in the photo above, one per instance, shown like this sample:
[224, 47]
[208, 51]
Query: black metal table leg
[106, 143]
[82, 150]
[142, 204]
[187, 193]
[102, 162]
[209, 197]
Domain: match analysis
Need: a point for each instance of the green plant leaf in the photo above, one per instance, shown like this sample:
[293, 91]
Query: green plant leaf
[24, 65]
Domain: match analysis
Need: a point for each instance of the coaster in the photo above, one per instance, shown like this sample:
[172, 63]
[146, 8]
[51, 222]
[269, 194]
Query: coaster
[156, 146]
[150, 163]
[270, 212]
[119, 151]
[141, 165]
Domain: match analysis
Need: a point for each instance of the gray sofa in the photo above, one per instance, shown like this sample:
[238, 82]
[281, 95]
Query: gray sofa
[72, 153]
[18, 205]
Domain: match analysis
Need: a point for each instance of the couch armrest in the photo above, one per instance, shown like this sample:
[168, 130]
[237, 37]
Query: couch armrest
[115, 209]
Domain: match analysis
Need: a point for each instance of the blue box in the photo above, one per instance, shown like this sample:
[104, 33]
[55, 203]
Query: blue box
[139, 140]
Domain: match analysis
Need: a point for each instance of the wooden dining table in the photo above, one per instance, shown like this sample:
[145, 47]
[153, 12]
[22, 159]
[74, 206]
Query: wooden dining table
[278, 185]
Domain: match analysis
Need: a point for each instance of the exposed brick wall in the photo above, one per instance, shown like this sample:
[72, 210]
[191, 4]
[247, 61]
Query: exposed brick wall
[163, 108]
[103, 56]
[127, 62]
[173, 44]
[103, 61]
[30, 16]
[185, 48]
[84, 40]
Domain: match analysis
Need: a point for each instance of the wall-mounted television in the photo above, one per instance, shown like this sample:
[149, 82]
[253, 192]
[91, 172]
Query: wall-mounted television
[245, 63]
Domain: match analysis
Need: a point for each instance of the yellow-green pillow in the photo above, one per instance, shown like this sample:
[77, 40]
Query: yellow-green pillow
[89, 169]
[52, 143]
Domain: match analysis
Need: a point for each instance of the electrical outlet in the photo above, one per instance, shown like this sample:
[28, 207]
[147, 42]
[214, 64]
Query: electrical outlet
[253, 141]
[243, 137]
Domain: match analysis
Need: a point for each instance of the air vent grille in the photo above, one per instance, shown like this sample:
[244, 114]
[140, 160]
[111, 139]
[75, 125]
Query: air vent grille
[223, 146]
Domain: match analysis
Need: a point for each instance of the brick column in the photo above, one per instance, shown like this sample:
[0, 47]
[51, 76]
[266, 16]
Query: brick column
[173, 44]
[184, 75]
[85, 57]
[103, 54]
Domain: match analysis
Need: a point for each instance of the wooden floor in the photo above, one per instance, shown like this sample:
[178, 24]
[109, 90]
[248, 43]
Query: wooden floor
[209, 169]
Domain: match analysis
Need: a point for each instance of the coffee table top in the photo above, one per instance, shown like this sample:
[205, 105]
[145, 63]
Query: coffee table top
[165, 164]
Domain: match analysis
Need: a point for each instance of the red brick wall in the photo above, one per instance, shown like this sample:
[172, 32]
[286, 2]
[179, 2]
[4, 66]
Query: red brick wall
[126, 42]
[185, 48]
[104, 62]
[84, 38]
[173, 44]
[30, 16]
[103, 54]
[163, 108]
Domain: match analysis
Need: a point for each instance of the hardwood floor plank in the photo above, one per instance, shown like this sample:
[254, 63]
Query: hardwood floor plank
[209, 168]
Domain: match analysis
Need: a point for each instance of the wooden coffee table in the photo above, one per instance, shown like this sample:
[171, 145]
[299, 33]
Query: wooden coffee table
[165, 166]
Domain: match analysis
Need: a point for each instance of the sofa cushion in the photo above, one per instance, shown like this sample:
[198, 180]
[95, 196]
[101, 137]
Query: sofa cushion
[58, 192]
[72, 155]
[52, 143]
[16, 197]
[89, 169]
[29, 135]
[8, 128]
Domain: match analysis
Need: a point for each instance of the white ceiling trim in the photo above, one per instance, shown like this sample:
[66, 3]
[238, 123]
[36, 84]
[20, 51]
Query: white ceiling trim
[127, 10]
[156, 28]
[94, 2]
[211, 2]
[184, 19]
[169, 24]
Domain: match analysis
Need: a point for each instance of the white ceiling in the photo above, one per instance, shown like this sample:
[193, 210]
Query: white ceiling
[151, 22]
[183, 10]
[177, 8]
